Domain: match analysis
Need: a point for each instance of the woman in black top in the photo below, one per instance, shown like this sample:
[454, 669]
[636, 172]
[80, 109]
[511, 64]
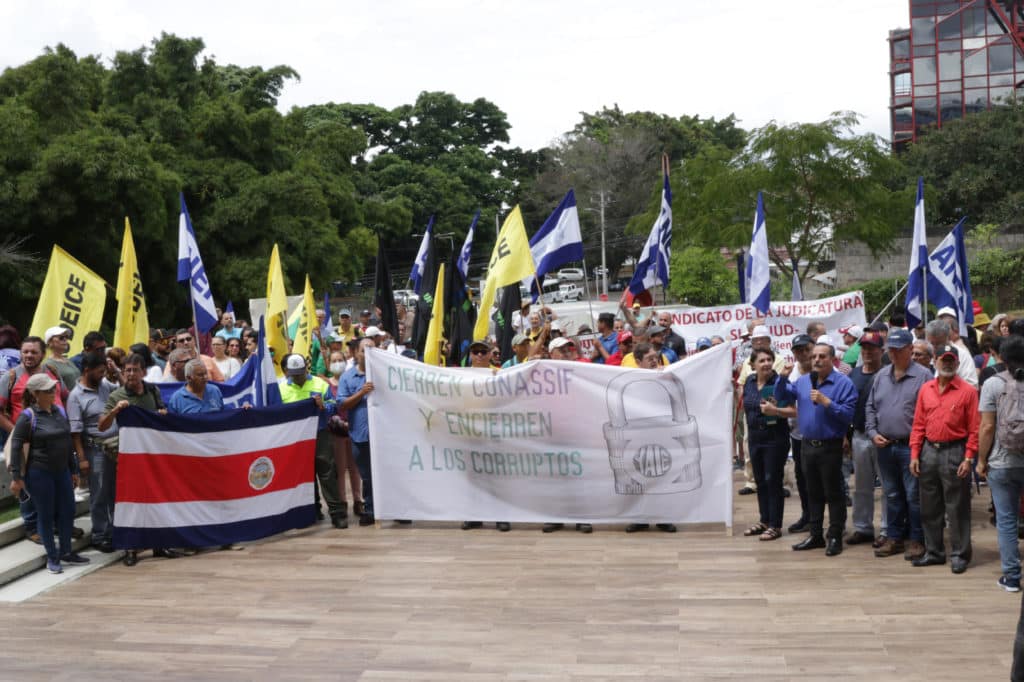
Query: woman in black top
[52, 470]
[768, 442]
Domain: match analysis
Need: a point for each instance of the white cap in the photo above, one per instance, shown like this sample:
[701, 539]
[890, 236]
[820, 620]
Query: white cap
[555, 324]
[372, 331]
[760, 330]
[947, 311]
[54, 331]
[853, 330]
[559, 342]
[825, 340]
[295, 365]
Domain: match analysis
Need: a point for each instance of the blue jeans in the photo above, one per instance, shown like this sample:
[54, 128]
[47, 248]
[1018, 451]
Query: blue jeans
[55, 500]
[902, 497]
[1006, 486]
[102, 478]
[362, 455]
[768, 459]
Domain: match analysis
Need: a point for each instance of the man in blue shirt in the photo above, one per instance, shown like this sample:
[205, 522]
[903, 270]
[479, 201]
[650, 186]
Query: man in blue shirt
[608, 338]
[196, 396]
[353, 388]
[825, 401]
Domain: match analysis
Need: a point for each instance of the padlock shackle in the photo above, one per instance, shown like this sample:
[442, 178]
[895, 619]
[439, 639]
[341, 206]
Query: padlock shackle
[668, 382]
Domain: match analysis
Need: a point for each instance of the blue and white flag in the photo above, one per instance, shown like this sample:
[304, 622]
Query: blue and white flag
[328, 326]
[798, 292]
[419, 265]
[255, 383]
[652, 268]
[191, 270]
[948, 279]
[467, 247]
[230, 310]
[557, 242]
[213, 479]
[917, 276]
[758, 284]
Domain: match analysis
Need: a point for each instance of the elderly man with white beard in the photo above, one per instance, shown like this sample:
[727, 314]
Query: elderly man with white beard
[943, 444]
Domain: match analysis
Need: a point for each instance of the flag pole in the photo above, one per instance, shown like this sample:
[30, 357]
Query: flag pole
[889, 304]
[586, 287]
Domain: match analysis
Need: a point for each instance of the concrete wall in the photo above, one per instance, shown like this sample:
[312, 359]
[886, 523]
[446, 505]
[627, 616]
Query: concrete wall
[856, 264]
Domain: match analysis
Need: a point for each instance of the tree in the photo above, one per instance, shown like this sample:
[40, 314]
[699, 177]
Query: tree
[976, 166]
[821, 182]
[700, 277]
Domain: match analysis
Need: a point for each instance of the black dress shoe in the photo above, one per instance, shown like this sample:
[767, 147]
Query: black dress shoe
[584, 528]
[834, 547]
[340, 521]
[786, 493]
[747, 490]
[105, 547]
[800, 526]
[666, 527]
[811, 542]
[470, 525]
[130, 558]
[167, 553]
[859, 538]
[927, 560]
[403, 522]
[503, 526]
[958, 565]
[552, 527]
[367, 519]
[636, 527]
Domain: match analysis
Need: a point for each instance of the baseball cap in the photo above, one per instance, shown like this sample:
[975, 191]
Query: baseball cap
[759, 331]
[872, 339]
[947, 311]
[334, 338]
[520, 338]
[802, 340]
[947, 349]
[703, 343]
[372, 331]
[294, 365]
[556, 325]
[559, 342]
[655, 329]
[853, 330]
[625, 336]
[825, 340]
[480, 343]
[344, 312]
[55, 331]
[900, 338]
[636, 304]
[40, 382]
[365, 312]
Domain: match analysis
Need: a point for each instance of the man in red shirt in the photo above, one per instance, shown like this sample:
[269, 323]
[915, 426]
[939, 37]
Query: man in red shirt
[943, 444]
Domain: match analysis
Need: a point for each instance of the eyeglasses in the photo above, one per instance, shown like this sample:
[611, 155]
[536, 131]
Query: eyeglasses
[479, 351]
[184, 339]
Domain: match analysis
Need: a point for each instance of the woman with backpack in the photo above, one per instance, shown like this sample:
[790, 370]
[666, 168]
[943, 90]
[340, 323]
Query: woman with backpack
[47, 469]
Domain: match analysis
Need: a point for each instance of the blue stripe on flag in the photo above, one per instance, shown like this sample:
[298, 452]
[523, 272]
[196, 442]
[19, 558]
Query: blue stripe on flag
[228, 420]
[214, 535]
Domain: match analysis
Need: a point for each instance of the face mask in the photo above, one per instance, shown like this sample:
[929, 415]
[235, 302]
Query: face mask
[337, 367]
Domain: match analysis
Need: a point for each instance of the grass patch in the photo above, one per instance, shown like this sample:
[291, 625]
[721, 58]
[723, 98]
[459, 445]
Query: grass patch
[8, 514]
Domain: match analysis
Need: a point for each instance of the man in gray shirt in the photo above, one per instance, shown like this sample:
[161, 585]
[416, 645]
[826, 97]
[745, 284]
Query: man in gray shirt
[86, 404]
[888, 418]
[1005, 469]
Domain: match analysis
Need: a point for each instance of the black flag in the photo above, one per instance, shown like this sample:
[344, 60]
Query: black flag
[511, 303]
[384, 295]
[459, 310]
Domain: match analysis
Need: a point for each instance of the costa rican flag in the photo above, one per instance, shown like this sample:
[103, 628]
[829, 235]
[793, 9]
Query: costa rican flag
[213, 479]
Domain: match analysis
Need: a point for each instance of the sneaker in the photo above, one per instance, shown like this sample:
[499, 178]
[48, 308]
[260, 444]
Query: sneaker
[53, 567]
[81, 494]
[1009, 584]
[74, 558]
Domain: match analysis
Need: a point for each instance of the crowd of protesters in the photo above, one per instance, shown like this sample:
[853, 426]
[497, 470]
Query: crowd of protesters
[919, 413]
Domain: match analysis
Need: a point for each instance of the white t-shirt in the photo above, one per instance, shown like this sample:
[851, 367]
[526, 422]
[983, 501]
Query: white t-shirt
[229, 367]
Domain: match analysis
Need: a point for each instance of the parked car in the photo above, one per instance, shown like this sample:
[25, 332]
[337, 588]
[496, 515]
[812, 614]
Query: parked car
[600, 271]
[571, 274]
[619, 284]
[569, 292]
[406, 297]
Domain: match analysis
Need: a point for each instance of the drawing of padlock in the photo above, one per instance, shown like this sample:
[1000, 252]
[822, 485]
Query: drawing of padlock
[655, 455]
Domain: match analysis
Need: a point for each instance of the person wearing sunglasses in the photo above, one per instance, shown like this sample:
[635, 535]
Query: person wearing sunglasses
[51, 471]
[58, 341]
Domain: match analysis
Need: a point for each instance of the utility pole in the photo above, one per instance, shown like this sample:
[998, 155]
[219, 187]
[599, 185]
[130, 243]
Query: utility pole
[604, 253]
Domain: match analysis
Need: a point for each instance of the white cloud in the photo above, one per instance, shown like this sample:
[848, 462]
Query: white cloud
[541, 62]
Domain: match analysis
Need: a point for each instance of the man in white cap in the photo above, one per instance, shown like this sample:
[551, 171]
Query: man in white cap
[760, 339]
[520, 351]
[966, 370]
[375, 334]
[58, 341]
[851, 338]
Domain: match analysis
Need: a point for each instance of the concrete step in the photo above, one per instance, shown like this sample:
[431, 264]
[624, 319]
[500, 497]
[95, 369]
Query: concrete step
[24, 556]
[40, 581]
[13, 531]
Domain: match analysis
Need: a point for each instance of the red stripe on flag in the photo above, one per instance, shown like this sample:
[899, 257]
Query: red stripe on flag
[155, 478]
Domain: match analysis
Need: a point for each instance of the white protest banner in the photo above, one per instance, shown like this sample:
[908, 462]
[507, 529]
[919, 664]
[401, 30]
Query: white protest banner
[785, 320]
[552, 441]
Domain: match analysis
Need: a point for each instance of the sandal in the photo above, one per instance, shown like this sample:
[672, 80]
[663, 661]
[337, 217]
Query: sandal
[771, 534]
[756, 529]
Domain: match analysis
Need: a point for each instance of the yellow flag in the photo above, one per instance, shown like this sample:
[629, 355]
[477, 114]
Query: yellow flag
[511, 262]
[277, 308]
[73, 296]
[432, 349]
[132, 322]
[305, 319]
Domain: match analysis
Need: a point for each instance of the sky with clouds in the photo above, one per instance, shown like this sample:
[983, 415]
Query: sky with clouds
[540, 62]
